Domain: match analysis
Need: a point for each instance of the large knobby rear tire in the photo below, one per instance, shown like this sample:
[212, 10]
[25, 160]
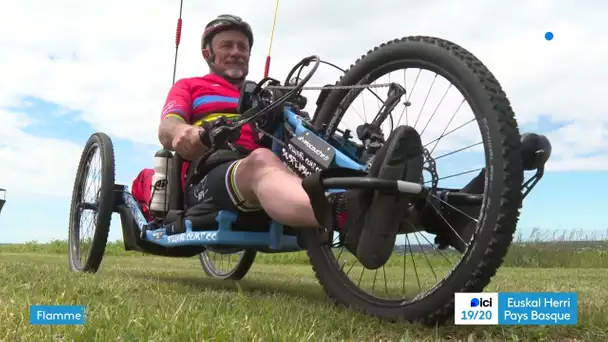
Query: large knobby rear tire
[104, 204]
[504, 177]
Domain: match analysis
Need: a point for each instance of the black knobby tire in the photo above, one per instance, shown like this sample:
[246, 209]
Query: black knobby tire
[105, 204]
[504, 177]
[237, 273]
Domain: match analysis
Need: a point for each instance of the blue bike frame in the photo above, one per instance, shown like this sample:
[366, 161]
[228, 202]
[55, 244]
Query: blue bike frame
[273, 240]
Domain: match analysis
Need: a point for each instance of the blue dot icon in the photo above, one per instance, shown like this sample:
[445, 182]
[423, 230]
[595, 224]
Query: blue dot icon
[474, 302]
[549, 35]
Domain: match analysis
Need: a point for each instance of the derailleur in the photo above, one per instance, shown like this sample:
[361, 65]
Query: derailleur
[370, 133]
[371, 136]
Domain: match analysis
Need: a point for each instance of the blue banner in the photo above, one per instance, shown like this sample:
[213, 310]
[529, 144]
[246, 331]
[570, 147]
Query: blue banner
[516, 308]
[57, 315]
[538, 308]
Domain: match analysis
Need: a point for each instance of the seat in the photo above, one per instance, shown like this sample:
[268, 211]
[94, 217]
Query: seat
[203, 217]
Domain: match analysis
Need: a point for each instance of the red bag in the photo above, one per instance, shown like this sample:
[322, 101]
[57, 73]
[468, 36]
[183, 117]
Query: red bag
[141, 189]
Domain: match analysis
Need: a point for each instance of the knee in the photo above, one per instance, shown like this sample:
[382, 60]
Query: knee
[261, 158]
[258, 162]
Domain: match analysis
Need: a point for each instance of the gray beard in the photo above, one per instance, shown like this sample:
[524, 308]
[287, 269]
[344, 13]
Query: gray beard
[234, 77]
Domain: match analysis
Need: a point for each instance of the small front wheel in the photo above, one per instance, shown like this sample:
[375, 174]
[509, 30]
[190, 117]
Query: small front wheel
[92, 205]
[237, 263]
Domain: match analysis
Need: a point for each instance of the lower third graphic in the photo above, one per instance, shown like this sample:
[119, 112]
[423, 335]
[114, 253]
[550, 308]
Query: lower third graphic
[57, 314]
[516, 308]
[476, 308]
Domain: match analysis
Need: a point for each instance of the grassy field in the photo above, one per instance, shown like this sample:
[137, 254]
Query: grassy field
[135, 298]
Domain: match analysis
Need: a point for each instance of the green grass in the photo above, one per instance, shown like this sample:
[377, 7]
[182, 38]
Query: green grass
[135, 297]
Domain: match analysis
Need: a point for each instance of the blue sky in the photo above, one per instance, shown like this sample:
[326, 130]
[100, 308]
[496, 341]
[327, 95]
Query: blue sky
[59, 85]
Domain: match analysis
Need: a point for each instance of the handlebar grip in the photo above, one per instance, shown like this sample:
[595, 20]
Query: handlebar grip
[204, 137]
[218, 132]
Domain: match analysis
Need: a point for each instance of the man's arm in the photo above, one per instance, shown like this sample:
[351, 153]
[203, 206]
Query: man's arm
[176, 113]
[168, 129]
[175, 132]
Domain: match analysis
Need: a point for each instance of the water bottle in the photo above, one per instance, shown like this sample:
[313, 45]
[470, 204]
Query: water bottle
[160, 190]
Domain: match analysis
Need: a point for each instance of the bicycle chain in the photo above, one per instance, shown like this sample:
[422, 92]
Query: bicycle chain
[333, 87]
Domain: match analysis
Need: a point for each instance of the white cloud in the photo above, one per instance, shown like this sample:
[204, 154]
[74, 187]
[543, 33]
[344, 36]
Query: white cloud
[112, 61]
[34, 166]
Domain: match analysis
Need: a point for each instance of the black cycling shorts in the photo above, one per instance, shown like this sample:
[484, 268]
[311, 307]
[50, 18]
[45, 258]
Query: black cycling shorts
[219, 188]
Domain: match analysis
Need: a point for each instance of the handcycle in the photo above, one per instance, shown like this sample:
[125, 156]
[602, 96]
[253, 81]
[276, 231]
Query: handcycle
[313, 147]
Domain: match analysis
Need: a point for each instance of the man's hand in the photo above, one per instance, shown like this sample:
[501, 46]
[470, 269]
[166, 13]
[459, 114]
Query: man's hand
[187, 142]
[217, 133]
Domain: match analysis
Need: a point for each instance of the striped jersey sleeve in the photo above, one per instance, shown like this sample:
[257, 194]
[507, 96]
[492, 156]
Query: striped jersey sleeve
[179, 102]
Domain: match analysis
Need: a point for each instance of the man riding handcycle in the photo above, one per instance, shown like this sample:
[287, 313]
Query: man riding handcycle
[252, 178]
[252, 172]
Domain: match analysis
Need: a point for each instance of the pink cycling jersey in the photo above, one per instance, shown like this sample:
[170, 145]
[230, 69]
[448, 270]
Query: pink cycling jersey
[198, 99]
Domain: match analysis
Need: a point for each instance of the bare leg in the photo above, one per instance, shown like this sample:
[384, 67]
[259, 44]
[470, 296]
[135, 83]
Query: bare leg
[262, 179]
